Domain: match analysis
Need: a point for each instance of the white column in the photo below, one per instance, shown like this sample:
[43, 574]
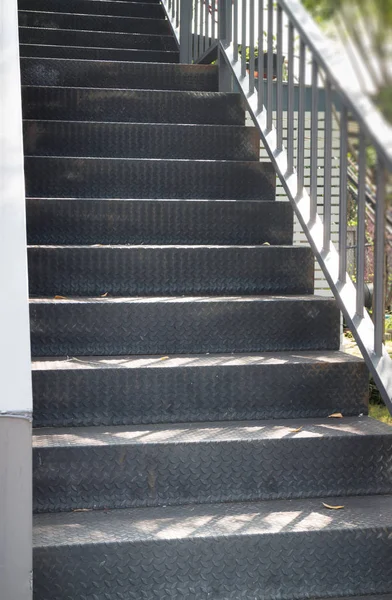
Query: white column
[15, 378]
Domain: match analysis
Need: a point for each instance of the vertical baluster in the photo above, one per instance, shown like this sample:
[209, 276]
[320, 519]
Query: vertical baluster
[251, 46]
[379, 258]
[290, 99]
[301, 120]
[243, 39]
[207, 28]
[213, 34]
[279, 83]
[195, 44]
[260, 59]
[201, 24]
[173, 6]
[343, 196]
[327, 165]
[235, 30]
[270, 64]
[361, 219]
[177, 13]
[313, 143]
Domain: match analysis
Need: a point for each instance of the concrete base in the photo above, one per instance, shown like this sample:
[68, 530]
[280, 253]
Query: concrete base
[15, 509]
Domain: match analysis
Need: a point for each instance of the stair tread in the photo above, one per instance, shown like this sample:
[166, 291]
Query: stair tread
[211, 520]
[180, 300]
[98, 247]
[190, 126]
[190, 360]
[205, 433]
[94, 31]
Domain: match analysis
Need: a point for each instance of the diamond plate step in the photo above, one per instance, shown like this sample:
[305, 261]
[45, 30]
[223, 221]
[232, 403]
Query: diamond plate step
[265, 551]
[78, 221]
[106, 74]
[98, 53]
[170, 270]
[58, 20]
[135, 140]
[114, 326]
[129, 178]
[96, 7]
[138, 106]
[155, 465]
[93, 391]
[97, 39]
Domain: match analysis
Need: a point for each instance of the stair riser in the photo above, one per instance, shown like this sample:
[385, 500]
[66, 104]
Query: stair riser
[132, 106]
[279, 566]
[97, 39]
[158, 222]
[121, 396]
[123, 140]
[97, 7]
[93, 23]
[170, 271]
[85, 73]
[110, 327]
[98, 53]
[176, 472]
[100, 178]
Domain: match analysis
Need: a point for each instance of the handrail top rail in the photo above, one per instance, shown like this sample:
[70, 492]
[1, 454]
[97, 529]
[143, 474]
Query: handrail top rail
[375, 126]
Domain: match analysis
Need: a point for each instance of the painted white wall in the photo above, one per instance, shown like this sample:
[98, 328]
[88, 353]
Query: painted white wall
[15, 379]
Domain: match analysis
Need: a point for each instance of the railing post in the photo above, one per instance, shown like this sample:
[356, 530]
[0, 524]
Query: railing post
[186, 31]
[224, 38]
[15, 375]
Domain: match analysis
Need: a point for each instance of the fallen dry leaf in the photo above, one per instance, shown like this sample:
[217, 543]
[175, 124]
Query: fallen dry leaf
[296, 430]
[335, 416]
[81, 510]
[104, 295]
[266, 244]
[164, 358]
[330, 507]
[60, 298]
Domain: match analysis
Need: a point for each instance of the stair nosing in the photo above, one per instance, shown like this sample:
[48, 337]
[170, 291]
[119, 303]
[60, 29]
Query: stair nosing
[73, 14]
[181, 299]
[214, 432]
[221, 516]
[154, 35]
[232, 360]
[146, 124]
[163, 51]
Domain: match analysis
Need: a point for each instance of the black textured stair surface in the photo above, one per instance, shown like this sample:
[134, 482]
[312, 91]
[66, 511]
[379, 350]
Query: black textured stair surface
[196, 325]
[96, 7]
[78, 221]
[128, 75]
[277, 550]
[152, 465]
[169, 270]
[58, 20]
[92, 391]
[136, 140]
[98, 53]
[64, 177]
[139, 106]
[96, 39]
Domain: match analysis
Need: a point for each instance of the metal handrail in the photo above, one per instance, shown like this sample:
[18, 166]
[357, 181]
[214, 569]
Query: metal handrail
[267, 24]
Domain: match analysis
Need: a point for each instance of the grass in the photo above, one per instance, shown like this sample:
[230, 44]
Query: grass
[377, 410]
[381, 413]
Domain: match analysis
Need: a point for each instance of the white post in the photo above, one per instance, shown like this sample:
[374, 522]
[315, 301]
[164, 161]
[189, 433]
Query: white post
[15, 378]
[186, 32]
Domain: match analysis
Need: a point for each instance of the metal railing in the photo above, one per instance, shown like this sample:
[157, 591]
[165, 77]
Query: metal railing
[296, 57]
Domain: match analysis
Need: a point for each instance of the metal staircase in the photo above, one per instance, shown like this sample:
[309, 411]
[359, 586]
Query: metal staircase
[183, 373]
